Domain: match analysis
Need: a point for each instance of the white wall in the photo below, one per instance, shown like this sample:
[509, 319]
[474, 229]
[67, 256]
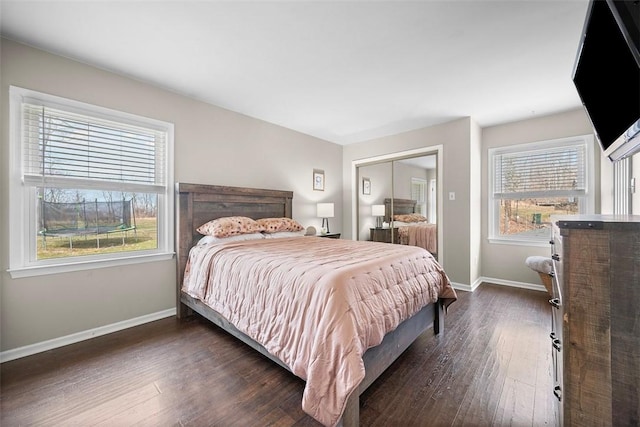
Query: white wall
[635, 196]
[212, 146]
[475, 204]
[507, 262]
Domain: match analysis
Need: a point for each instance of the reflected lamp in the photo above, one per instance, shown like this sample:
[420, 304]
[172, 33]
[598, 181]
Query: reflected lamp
[378, 212]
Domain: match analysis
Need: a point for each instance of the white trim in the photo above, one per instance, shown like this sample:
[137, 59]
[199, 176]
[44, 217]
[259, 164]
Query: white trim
[22, 261]
[462, 287]
[510, 283]
[84, 108]
[513, 284]
[476, 284]
[40, 347]
[515, 242]
[127, 258]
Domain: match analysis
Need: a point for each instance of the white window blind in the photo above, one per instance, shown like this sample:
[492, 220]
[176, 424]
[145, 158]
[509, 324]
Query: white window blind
[552, 172]
[621, 186]
[63, 149]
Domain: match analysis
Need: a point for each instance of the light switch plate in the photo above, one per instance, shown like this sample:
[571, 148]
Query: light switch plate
[452, 195]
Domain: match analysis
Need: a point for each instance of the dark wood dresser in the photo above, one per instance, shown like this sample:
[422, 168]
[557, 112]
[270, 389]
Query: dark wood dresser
[595, 336]
[379, 234]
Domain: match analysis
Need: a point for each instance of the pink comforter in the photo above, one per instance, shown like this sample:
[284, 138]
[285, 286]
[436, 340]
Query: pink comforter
[424, 235]
[317, 304]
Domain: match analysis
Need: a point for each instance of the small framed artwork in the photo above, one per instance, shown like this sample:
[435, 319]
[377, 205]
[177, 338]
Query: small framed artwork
[366, 186]
[318, 180]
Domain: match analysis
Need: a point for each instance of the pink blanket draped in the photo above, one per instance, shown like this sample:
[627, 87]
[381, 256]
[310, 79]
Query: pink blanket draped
[317, 304]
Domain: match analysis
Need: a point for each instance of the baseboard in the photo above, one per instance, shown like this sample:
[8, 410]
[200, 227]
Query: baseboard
[462, 287]
[501, 282]
[513, 284]
[31, 349]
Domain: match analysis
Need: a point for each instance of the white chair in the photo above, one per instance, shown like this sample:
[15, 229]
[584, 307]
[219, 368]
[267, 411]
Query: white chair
[544, 267]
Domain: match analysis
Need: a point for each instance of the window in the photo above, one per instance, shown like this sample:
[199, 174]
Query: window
[531, 182]
[622, 191]
[418, 193]
[89, 186]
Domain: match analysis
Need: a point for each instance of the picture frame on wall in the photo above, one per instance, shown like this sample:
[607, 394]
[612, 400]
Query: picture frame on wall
[366, 186]
[318, 180]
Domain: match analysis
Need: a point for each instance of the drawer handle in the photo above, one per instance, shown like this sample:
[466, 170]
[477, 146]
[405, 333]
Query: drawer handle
[556, 344]
[555, 257]
[555, 302]
[557, 393]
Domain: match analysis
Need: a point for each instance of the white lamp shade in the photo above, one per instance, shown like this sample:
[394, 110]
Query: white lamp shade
[377, 210]
[325, 210]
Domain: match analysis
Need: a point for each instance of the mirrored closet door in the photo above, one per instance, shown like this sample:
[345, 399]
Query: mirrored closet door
[397, 201]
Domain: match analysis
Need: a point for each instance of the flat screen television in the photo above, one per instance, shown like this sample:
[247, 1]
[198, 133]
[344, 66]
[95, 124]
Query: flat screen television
[607, 75]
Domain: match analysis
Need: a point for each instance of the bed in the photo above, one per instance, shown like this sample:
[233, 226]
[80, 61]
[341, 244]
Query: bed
[417, 233]
[332, 399]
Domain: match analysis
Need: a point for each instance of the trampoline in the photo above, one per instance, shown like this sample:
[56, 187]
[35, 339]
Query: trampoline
[71, 219]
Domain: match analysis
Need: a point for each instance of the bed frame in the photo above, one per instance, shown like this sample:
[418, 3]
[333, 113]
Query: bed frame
[399, 206]
[198, 203]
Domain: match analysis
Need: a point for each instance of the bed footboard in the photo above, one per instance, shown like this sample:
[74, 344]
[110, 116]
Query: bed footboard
[378, 359]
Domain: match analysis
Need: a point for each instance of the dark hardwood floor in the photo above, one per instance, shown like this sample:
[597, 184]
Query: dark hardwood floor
[491, 367]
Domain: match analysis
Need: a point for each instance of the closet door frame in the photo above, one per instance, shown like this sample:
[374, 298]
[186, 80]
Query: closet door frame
[418, 152]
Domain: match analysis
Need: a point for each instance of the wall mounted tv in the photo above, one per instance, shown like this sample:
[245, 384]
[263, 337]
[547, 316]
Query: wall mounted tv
[607, 75]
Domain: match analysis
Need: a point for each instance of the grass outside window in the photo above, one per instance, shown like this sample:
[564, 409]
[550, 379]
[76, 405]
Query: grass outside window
[144, 237]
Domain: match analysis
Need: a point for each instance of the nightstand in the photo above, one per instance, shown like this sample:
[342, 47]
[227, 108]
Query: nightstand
[384, 235]
[329, 235]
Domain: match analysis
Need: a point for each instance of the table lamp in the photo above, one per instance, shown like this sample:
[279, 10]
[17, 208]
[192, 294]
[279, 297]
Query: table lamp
[325, 211]
[378, 212]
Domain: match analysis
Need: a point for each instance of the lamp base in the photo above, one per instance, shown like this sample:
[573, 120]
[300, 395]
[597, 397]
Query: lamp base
[325, 225]
[378, 222]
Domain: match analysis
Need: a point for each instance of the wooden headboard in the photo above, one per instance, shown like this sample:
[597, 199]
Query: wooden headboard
[400, 206]
[198, 203]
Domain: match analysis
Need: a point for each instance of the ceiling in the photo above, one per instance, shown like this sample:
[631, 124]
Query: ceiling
[341, 71]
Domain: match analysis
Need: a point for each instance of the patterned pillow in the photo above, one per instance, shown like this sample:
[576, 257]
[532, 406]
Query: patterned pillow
[274, 225]
[409, 218]
[230, 226]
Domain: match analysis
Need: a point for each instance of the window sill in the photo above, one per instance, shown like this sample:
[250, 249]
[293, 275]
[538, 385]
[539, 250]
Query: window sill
[515, 242]
[42, 270]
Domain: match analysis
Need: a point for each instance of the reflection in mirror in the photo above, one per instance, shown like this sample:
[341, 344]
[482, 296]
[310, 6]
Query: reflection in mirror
[374, 185]
[414, 197]
[401, 185]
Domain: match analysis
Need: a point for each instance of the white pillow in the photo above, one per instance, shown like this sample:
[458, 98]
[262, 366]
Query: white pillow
[207, 240]
[281, 234]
